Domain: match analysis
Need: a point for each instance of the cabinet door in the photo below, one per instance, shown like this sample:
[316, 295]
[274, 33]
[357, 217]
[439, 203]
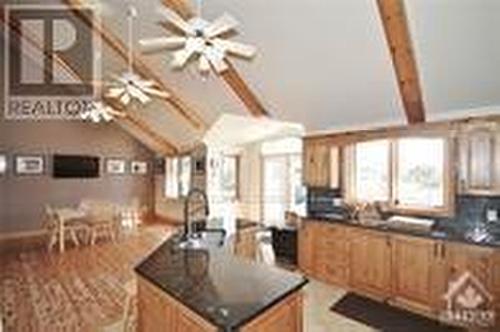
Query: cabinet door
[154, 314]
[478, 261]
[305, 244]
[308, 160]
[316, 172]
[413, 265]
[370, 263]
[332, 255]
[480, 152]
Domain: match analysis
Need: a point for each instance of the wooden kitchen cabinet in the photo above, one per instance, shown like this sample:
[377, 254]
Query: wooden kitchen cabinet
[321, 164]
[306, 248]
[417, 266]
[462, 258]
[332, 256]
[370, 263]
[479, 158]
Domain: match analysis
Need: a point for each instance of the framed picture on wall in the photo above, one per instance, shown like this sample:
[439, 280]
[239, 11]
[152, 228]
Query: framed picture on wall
[115, 166]
[29, 165]
[3, 164]
[139, 167]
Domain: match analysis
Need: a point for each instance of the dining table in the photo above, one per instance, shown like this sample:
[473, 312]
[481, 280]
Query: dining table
[67, 215]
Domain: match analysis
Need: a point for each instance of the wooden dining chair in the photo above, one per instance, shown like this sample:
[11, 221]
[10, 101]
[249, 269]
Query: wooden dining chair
[101, 219]
[71, 229]
[51, 226]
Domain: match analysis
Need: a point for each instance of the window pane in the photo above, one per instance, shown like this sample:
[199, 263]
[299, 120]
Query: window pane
[420, 180]
[171, 178]
[297, 189]
[185, 175]
[372, 171]
[275, 189]
[229, 180]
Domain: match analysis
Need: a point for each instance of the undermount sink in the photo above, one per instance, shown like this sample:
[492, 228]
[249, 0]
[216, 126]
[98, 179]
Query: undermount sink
[192, 244]
[202, 240]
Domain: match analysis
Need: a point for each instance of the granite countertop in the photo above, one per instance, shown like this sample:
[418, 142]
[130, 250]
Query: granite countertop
[493, 240]
[225, 290]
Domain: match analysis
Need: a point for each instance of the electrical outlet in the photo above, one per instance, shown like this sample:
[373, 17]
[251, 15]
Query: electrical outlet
[492, 215]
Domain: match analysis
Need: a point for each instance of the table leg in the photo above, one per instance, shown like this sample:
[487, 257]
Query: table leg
[61, 235]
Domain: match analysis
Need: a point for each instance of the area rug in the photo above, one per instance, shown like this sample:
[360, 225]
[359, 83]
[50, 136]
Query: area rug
[384, 317]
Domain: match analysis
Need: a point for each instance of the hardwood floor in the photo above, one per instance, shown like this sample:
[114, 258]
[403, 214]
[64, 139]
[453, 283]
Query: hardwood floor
[80, 290]
[83, 289]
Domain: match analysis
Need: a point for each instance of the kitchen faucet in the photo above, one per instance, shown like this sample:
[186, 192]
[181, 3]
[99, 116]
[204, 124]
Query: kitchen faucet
[188, 229]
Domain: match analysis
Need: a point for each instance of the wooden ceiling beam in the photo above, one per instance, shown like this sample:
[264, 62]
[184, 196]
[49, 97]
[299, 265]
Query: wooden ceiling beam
[112, 41]
[231, 76]
[165, 146]
[394, 20]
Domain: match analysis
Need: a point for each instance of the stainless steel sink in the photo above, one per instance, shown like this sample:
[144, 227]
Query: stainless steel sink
[209, 238]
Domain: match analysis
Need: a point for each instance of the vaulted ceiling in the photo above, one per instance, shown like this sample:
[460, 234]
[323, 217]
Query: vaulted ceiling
[325, 64]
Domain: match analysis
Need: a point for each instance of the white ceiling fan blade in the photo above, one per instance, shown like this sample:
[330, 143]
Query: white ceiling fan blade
[158, 93]
[223, 24]
[176, 20]
[204, 64]
[114, 92]
[216, 58]
[138, 94]
[161, 43]
[182, 56]
[125, 99]
[244, 50]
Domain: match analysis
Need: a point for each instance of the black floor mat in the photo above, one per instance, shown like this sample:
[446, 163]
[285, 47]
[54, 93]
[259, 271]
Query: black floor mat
[384, 317]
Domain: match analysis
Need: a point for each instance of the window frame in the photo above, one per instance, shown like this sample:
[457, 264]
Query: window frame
[446, 210]
[178, 172]
[237, 165]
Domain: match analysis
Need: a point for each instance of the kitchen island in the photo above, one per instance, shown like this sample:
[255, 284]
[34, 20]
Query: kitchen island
[211, 289]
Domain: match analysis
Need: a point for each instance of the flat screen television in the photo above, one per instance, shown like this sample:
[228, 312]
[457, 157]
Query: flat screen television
[72, 166]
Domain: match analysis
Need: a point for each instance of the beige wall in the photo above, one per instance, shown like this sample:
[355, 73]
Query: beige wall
[22, 197]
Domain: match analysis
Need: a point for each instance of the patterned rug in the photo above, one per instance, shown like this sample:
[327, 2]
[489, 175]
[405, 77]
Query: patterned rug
[82, 289]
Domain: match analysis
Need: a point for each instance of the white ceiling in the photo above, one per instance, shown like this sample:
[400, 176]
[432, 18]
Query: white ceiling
[325, 64]
[457, 45]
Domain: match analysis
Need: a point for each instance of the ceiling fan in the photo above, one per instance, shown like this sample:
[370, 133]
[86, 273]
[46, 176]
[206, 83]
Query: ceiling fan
[200, 38]
[99, 111]
[129, 85]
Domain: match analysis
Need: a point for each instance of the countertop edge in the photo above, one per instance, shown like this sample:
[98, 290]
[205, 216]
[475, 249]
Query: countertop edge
[400, 232]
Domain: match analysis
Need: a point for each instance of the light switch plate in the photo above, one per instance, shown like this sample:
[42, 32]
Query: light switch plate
[492, 215]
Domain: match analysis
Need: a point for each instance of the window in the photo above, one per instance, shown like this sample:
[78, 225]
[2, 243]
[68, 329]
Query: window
[408, 173]
[177, 176]
[230, 177]
[172, 177]
[282, 188]
[372, 170]
[420, 172]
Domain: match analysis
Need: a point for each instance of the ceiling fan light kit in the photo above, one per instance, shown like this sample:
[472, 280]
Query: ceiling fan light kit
[200, 39]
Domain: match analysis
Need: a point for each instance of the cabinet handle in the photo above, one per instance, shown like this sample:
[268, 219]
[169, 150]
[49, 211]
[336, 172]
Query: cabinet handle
[436, 249]
[443, 250]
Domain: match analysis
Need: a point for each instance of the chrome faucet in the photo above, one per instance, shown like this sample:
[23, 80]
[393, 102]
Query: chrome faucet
[188, 229]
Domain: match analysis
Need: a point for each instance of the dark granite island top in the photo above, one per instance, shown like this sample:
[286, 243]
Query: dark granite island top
[223, 289]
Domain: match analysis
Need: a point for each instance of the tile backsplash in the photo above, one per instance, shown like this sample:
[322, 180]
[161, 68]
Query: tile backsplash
[470, 210]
